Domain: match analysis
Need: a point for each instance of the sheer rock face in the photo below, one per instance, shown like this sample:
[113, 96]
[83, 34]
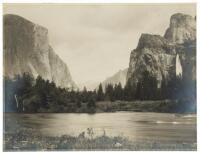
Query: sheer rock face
[182, 32]
[157, 55]
[187, 52]
[26, 49]
[182, 29]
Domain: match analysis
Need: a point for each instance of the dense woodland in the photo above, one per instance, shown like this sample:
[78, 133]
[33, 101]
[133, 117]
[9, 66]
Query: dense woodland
[26, 94]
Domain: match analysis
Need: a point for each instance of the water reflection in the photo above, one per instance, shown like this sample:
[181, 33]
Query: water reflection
[135, 125]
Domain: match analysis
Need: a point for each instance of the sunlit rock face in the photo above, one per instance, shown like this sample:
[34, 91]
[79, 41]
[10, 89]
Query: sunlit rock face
[158, 55]
[182, 29]
[182, 32]
[26, 49]
[155, 55]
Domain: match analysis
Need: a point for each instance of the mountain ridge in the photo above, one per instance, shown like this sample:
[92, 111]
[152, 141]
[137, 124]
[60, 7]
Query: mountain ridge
[118, 77]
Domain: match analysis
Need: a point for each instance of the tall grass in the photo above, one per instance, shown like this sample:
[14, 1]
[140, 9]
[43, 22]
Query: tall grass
[31, 140]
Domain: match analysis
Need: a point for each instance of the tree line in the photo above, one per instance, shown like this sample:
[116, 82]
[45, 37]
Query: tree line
[26, 94]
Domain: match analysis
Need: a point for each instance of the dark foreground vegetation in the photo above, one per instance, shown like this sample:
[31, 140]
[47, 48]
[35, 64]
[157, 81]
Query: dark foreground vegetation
[26, 94]
[30, 140]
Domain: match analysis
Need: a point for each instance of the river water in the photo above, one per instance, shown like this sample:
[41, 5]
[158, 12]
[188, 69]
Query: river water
[133, 125]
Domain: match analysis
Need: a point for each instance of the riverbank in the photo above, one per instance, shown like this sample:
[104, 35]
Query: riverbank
[162, 106]
[159, 106]
[31, 140]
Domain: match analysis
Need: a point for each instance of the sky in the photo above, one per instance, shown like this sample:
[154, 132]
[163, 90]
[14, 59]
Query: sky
[95, 40]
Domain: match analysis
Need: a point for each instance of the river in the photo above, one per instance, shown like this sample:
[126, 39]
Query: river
[133, 125]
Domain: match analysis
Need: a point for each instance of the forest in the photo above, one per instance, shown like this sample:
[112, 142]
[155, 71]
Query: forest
[26, 94]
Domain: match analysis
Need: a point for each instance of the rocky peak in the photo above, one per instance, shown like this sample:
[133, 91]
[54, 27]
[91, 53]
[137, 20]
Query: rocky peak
[154, 42]
[182, 29]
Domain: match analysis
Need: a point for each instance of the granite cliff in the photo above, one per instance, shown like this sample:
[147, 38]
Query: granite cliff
[182, 32]
[27, 49]
[182, 29]
[159, 55]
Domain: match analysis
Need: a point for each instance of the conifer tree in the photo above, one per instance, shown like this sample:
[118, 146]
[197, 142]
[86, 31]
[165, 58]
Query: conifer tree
[100, 94]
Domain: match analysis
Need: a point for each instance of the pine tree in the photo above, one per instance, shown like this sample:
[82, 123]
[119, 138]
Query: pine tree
[100, 94]
[138, 93]
[118, 91]
[129, 91]
[146, 88]
[84, 95]
[109, 92]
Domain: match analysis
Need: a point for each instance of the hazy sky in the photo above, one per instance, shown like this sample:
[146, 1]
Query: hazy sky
[95, 41]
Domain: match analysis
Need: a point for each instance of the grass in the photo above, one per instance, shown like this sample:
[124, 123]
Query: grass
[165, 106]
[31, 140]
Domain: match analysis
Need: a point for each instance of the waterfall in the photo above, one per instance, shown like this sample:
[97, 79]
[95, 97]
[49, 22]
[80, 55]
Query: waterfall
[17, 104]
[178, 66]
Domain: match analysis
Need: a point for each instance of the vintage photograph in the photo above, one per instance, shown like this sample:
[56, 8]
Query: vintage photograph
[99, 77]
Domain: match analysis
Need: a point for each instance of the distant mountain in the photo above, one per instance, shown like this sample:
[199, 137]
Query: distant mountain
[27, 49]
[160, 56]
[119, 77]
[90, 85]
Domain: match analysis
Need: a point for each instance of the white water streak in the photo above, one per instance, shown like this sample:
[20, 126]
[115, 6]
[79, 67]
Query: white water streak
[178, 66]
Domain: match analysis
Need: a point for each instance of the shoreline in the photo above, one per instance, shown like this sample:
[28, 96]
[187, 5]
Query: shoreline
[30, 140]
[156, 106]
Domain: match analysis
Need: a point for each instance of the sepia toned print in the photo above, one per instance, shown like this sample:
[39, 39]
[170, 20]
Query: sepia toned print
[99, 77]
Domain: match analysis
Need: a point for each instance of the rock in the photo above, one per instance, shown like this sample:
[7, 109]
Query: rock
[182, 32]
[156, 42]
[155, 55]
[26, 49]
[187, 55]
[158, 55]
[182, 29]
